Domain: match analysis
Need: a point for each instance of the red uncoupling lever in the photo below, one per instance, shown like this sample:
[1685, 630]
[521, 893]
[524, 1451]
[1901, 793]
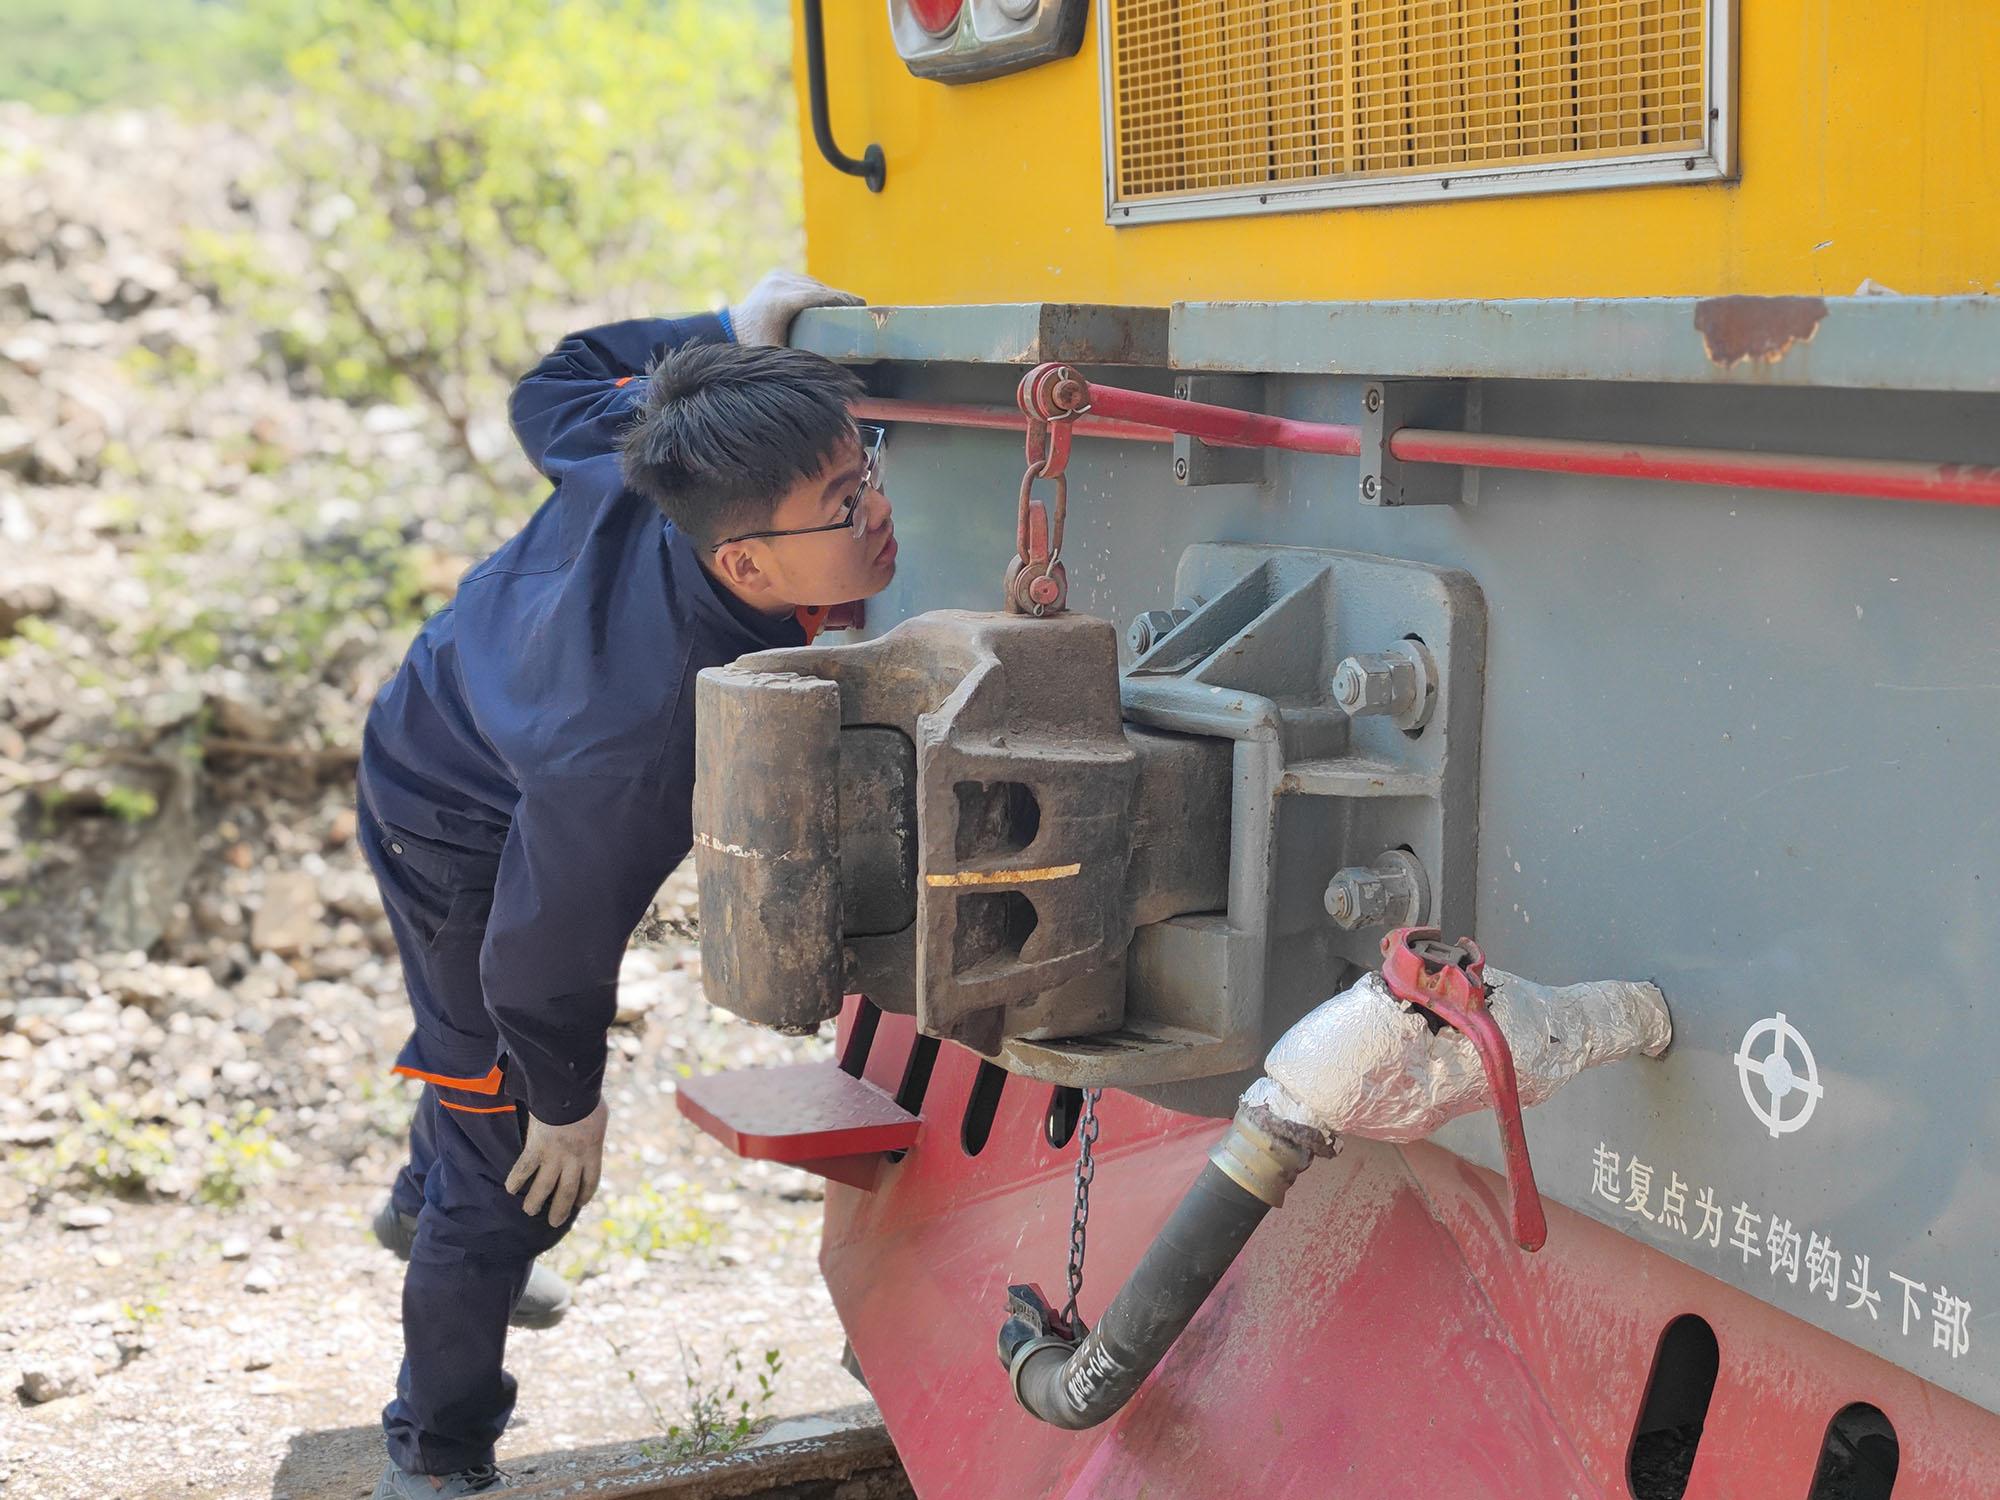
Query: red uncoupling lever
[1448, 981]
[1051, 397]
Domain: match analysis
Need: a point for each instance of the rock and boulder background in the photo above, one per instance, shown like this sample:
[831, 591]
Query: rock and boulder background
[218, 532]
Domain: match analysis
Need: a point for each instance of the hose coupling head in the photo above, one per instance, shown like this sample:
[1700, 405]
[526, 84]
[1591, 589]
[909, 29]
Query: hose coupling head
[1262, 1164]
[1032, 1326]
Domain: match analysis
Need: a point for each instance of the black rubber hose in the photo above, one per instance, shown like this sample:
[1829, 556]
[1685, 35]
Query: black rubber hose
[1081, 1385]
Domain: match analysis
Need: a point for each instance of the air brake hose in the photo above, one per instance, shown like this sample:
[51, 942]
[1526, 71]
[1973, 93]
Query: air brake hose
[1367, 1063]
[1075, 1383]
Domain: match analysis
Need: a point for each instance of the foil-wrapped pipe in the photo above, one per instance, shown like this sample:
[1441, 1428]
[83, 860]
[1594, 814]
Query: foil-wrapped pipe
[1365, 1064]
[1361, 1064]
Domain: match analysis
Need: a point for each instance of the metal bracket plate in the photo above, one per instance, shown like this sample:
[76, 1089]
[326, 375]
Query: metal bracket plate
[1313, 790]
[1197, 464]
[1386, 405]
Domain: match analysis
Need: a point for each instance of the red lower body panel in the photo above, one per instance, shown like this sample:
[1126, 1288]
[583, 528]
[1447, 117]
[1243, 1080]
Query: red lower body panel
[1380, 1337]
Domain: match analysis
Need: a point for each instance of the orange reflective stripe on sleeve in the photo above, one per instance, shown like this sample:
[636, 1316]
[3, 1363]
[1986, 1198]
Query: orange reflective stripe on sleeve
[490, 1084]
[622, 380]
[479, 1109]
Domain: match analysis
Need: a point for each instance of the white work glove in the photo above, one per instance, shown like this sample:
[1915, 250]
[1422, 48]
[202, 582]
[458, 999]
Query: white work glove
[559, 1165]
[765, 314]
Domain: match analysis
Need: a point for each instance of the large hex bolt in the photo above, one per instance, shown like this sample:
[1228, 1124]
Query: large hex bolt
[1149, 626]
[1392, 892]
[1399, 684]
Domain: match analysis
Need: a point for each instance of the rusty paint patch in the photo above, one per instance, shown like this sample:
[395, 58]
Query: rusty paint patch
[1734, 329]
[1101, 333]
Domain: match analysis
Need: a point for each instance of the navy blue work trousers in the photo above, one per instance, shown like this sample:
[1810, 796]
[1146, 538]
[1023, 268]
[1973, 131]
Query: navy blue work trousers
[474, 1245]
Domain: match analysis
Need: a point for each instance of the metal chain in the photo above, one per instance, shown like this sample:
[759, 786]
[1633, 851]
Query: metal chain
[1086, 1172]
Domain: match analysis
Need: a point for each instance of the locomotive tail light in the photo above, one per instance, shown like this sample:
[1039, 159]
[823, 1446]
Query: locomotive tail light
[936, 17]
[964, 41]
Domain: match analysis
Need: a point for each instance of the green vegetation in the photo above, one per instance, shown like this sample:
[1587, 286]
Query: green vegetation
[79, 54]
[467, 171]
[131, 804]
[148, 1309]
[722, 1410]
[287, 603]
[39, 633]
[241, 1155]
[111, 1151]
[639, 1225]
[469, 181]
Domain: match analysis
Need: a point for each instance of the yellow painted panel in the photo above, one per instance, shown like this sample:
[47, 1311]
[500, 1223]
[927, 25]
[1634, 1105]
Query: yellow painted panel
[1869, 148]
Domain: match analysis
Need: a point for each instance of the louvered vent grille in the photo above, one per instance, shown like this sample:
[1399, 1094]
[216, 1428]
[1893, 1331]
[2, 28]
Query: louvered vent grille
[1223, 96]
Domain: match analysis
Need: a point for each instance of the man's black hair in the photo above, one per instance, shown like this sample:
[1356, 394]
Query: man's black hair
[724, 430]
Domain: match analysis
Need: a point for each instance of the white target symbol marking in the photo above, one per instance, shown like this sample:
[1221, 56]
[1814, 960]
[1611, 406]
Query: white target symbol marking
[1776, 1075]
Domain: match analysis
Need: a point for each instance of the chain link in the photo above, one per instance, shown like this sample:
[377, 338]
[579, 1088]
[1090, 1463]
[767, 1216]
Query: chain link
[1036, 583]
[1086, 1172]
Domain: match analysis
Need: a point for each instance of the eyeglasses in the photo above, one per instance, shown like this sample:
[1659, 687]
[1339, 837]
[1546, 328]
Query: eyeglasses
[851, 515]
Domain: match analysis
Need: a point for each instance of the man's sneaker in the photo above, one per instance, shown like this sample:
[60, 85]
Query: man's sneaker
[542, 1302]
[395, 1484]
[393, 1231]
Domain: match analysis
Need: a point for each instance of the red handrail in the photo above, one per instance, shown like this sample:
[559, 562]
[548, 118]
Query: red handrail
[1000, 418]
[1139, 416]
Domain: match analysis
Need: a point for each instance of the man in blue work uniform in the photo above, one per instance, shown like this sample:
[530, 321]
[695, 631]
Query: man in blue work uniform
[526, 782]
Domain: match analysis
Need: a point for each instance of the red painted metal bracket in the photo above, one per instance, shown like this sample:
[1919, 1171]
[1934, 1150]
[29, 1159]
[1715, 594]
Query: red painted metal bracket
[808, 1115]
[1448, 981]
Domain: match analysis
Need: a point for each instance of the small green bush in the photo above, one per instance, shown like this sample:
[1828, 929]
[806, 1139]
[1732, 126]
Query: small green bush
[241, 1155]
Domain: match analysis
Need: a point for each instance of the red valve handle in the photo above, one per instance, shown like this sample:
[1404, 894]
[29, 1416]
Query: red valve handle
[1448, 980]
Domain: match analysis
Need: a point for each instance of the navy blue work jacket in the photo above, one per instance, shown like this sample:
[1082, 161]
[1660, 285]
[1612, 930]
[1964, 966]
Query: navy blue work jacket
[538, 739]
